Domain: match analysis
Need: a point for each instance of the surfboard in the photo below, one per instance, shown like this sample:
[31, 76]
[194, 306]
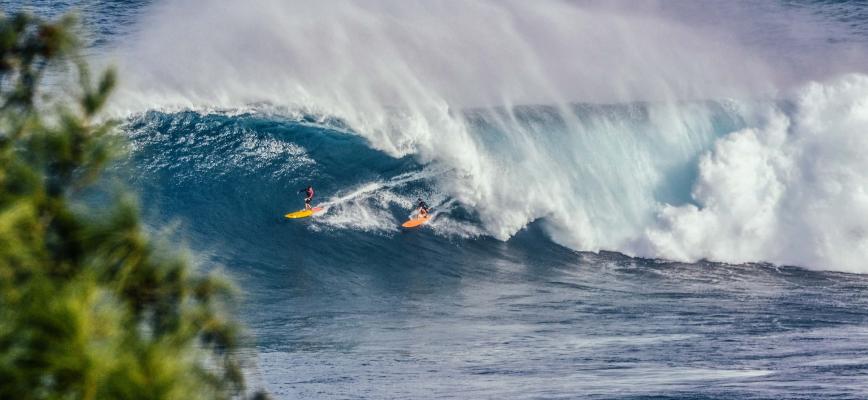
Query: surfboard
[303, 213]
[414, 222]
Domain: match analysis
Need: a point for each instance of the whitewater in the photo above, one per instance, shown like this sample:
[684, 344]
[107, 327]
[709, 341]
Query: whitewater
[632, 199]
[620, 128]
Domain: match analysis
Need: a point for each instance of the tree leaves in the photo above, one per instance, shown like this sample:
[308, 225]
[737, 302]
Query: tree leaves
[90, 306]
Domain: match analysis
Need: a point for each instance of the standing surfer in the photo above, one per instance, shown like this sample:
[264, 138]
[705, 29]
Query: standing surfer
[308, 192]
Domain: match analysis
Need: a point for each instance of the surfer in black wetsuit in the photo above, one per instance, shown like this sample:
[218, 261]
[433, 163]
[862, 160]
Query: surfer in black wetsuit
[308, 193]
[423, 208]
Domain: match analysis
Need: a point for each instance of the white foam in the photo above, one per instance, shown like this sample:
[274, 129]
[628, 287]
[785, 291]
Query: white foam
[790, 191]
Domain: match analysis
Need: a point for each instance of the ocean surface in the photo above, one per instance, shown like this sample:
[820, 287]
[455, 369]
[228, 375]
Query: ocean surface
[632, 200]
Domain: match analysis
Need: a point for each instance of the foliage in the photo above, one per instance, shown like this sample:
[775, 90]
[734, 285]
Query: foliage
[90, 306]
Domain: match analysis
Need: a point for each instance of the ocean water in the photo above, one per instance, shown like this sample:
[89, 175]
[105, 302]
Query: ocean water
[344, 308]
[633, 200]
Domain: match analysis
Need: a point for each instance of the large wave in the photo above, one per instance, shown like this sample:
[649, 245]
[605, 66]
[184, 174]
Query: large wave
[713, 146]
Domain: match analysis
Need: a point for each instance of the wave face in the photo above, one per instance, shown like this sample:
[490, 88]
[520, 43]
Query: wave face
[682, 182]
[721, 140]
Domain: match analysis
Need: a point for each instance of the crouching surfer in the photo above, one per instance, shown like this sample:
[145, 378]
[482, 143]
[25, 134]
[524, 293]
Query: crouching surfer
[423, 208]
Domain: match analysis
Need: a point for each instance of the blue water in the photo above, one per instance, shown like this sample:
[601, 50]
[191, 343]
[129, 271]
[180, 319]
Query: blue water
[347, 305]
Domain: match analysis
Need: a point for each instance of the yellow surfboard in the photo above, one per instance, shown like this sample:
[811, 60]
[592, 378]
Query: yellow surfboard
[303, 213]
[414, 222]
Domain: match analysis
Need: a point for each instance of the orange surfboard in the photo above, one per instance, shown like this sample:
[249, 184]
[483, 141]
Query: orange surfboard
[414, 222]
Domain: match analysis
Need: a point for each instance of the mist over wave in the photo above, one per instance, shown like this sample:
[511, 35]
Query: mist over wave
[636, 129]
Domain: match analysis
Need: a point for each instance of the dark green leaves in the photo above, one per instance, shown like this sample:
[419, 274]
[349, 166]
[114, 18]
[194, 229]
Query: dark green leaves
[91, 307]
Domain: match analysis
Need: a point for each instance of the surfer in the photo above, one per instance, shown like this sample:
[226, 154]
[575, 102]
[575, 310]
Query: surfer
[422, 215]
[423, 208]
[308, 193]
